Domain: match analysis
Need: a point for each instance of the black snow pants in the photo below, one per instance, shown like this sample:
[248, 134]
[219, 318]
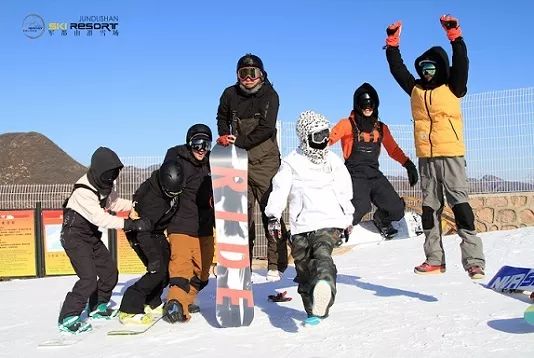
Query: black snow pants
[96, 269]
[149, 288]
[381, 193]
[260, 176]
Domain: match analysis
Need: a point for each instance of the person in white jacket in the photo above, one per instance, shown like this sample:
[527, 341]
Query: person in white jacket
[319, 190]
[88, 208]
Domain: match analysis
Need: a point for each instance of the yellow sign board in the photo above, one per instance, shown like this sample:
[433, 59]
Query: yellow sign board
[56, 260]
[17, 243]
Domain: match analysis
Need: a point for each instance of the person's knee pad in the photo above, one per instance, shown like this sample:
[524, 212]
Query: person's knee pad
[427, 218]
[197, 283]
[180, 282]
[463, 216]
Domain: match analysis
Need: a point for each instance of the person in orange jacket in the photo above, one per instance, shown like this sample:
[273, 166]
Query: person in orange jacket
[362, 136]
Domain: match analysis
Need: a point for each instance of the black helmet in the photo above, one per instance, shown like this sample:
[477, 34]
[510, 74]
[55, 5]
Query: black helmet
[171, 178]
[198, 130]
[250, 60]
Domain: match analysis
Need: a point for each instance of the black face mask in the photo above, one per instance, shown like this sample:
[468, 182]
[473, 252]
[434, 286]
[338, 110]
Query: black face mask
[108, 177]
[104, 183]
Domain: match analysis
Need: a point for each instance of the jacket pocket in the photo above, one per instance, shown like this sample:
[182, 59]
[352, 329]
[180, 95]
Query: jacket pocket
[454, 130]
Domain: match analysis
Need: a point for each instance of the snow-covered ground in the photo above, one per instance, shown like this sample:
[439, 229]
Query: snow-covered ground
[382, 310]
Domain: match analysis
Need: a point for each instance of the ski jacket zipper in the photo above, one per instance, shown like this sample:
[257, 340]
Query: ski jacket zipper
[431, 122]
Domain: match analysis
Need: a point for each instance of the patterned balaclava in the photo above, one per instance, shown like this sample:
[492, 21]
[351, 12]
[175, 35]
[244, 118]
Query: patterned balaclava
[313, 130]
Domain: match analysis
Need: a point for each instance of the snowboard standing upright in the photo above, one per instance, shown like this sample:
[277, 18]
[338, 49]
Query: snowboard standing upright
[234, 298]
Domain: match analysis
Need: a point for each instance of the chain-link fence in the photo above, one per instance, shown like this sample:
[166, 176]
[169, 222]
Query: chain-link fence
[499, 132]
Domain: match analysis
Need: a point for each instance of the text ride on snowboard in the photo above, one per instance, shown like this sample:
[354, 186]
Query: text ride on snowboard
[234, 302]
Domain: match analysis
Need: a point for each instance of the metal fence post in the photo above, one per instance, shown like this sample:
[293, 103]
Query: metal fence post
[39, 259]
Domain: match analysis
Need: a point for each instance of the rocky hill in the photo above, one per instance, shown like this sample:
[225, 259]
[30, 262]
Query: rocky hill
[32, 158]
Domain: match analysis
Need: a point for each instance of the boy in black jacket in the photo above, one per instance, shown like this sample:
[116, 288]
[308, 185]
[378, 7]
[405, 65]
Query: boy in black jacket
[156, 199]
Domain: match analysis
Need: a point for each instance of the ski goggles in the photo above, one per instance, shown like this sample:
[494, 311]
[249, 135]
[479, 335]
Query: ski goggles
[200, 144]
[366, 103]
[320, 137]
[251, 72]
[428, 67]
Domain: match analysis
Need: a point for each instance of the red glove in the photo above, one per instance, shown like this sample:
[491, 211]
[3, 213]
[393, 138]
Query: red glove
[224, 140]
[451, 26]
[393, 31]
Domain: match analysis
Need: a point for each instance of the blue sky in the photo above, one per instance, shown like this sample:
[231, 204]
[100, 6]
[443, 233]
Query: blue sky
[139, 92]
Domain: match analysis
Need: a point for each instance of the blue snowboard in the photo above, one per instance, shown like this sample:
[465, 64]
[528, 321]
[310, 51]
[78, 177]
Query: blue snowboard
[510, 279]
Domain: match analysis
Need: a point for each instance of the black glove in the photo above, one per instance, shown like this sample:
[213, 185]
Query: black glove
[344, 236]
[413, 177]
[274, 227]
[142, 224]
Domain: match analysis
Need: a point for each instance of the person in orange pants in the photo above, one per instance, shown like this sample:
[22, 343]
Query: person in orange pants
[190, 231]
[190, 257]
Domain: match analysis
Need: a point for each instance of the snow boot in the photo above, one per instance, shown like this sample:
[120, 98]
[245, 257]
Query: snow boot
[476, 272]
[74, 325]
[136, 318]
[193, 308]
[156, 311]
[273, 276]
[322, 295]
[173, 312]
[102, 311]
[427, 269]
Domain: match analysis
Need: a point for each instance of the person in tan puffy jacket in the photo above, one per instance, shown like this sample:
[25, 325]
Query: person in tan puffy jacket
[439, 143]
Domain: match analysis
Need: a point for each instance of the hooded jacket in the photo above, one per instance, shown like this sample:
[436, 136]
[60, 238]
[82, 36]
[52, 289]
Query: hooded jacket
[319, 194]
[195, 215]
[151, 202]
[257, 113]
[436, 110]
[87, 207]
[362, 137]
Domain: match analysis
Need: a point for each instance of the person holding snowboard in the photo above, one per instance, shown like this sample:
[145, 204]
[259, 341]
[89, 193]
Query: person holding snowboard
[362, 136]
[157, 199]
[439, 143]
[319, 190]
[86, 209]
[246, 117]
[190, 230]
